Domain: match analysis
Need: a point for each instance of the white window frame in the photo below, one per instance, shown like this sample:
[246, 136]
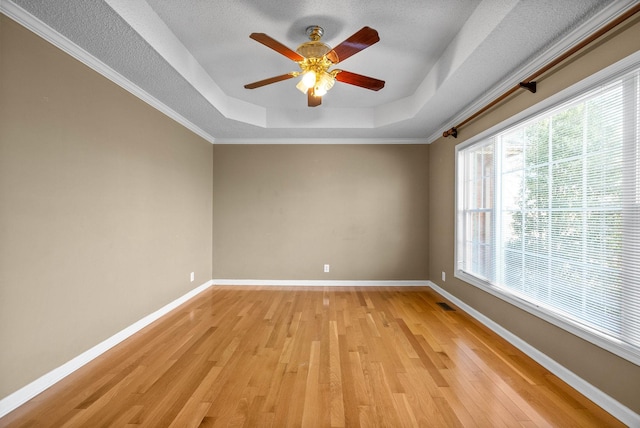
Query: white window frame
[606, 342]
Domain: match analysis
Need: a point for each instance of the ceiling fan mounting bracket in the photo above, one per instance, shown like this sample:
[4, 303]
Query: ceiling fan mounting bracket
[314, 32]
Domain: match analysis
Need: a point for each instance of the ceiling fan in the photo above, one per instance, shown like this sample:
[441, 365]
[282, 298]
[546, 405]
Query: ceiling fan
[315, 58]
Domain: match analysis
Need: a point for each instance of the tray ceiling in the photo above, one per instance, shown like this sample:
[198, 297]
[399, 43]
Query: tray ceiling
[441, 60]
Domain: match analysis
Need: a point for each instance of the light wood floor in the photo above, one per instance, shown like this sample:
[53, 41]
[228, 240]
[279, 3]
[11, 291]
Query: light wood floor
[325, 357]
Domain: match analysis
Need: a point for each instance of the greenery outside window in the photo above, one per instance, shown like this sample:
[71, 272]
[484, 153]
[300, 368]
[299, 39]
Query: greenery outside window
[548, 210]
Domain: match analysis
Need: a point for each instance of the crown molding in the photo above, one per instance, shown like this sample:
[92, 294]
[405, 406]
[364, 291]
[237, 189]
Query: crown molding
[320, 141]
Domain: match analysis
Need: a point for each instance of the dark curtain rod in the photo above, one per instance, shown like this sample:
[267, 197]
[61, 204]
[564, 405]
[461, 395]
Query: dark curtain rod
[530, 84]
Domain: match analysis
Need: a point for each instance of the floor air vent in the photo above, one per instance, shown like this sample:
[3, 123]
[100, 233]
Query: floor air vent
[445, 306]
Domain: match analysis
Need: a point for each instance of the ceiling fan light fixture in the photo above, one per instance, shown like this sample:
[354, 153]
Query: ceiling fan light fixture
[300, 86]
[324, 83]
[319, 91]
[307, 81]
[309, 78]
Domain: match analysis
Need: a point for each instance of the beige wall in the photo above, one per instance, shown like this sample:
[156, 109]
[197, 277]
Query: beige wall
[282, 211]
[105, 208]
[613, 375]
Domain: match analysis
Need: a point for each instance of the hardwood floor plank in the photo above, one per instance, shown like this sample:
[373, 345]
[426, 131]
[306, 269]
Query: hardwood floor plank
[405, 412]
[317, 357]
[197, 407]
[462, 391]
[349, 395]
[284, 398]
[335, 378]
[382, 396]
[420, 392]
[360, 382]
[191, 414]
[311, 412]
[422, 354]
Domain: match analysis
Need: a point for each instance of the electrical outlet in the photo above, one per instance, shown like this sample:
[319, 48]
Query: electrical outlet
[193, 276]
[444, 276]
[326, 268]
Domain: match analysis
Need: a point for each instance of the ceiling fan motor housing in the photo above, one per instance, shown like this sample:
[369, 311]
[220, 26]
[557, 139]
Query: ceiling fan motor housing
[313, 49]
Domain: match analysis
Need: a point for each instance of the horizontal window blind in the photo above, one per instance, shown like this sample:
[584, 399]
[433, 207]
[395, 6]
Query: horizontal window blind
[548, 211]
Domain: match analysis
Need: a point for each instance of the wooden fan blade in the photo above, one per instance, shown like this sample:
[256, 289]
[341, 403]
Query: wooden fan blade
[360, 80]
[270, 80]
[276, 46]
[312, 99]
[360, 40]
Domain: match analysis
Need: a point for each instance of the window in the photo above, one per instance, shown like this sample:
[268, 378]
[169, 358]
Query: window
[548, 212]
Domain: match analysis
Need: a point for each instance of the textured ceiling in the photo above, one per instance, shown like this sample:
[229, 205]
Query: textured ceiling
[441, 59]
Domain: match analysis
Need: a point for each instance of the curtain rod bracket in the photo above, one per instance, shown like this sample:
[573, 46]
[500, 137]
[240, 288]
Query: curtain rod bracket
[453, 131]
[530, 86]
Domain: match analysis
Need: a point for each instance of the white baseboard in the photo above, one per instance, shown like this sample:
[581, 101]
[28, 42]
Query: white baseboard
[608, 403]
[320, 283]
[24, 394]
